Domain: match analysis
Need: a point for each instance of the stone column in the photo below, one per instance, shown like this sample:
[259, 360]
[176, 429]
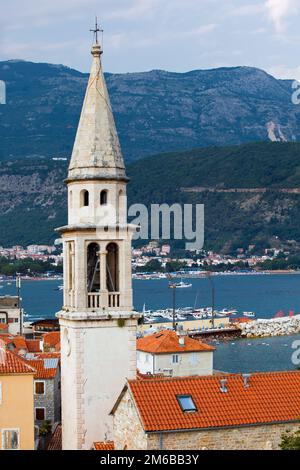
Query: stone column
[103, 285]
[71, 287]
[80, 294]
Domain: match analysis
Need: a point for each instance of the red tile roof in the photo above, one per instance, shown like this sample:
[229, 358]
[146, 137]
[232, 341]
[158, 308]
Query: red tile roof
[47, 355]
[33, 345]
[10, 363]
[56, 439]
[270, 398]
[42, 372]
[168, 342]
[108, 445]
[52, 339]
[19, 343]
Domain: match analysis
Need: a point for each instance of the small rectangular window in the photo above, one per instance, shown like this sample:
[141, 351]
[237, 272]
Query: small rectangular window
[39, 388]
[10, 439]
[186, 403]
[40, 414]
[194, 358]
[175, 359]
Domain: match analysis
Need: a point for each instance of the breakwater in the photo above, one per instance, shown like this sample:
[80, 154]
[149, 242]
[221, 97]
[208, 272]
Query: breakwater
[275, 327]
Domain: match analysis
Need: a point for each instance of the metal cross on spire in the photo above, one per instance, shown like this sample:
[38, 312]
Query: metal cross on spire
[96, 30]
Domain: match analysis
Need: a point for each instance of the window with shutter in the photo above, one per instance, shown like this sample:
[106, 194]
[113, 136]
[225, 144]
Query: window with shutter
[40, 414]
[39, 388]
[10, 439]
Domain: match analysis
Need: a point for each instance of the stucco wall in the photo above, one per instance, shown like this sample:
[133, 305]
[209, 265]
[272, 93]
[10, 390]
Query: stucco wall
[16, 409]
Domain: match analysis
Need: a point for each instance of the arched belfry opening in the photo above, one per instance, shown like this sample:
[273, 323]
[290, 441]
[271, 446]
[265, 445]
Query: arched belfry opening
[103, 198]
[93, 268]
[84, 198]
[112, 267]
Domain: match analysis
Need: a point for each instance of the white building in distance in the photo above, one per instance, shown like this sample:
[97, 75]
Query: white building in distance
[173, 355]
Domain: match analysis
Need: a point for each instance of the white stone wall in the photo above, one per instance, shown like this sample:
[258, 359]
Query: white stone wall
[112, 213]
[97, 357]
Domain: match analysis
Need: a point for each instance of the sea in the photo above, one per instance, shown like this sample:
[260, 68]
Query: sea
[264, 294]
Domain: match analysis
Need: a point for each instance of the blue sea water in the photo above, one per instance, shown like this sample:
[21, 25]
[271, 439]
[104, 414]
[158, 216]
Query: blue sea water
[263, 294]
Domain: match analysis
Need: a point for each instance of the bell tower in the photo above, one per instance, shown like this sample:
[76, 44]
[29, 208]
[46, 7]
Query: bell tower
[98, 324]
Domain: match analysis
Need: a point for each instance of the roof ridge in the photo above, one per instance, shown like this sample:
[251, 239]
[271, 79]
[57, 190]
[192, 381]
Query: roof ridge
[215, 377]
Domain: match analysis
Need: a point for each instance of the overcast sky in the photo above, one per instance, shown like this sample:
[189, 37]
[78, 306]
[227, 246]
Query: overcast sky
[140, 35]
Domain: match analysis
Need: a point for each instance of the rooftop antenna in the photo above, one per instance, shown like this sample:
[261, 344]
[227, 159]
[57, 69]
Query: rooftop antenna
[96, 30]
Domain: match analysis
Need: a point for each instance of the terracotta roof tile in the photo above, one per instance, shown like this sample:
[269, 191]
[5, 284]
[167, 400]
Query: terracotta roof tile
[52, 338]
[10, 363]
[168, 342]
[19, 343]
[108, 445]
[44, 370]
[47, 355]
[270, 397]
[33, 345]
[56, 439]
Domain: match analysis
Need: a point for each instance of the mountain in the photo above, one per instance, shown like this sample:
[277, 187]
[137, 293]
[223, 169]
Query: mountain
[155, 111]
[251, 194]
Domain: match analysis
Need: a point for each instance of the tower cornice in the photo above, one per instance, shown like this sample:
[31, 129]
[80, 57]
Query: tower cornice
[84, 179]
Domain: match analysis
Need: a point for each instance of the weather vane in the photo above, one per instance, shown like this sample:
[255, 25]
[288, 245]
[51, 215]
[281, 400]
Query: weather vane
[96, 30]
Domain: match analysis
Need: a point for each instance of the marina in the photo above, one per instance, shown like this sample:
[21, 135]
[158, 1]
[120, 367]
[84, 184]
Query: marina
[264, 295]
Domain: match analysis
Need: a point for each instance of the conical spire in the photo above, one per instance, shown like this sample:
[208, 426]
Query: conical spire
[97, 152]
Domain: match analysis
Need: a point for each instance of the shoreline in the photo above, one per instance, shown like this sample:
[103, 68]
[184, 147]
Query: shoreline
[196, 275]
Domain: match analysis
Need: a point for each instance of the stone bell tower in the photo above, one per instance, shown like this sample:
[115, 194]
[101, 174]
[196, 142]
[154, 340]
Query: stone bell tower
[98, 324]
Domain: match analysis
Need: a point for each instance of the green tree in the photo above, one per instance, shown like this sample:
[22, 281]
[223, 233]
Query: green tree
[153, 265]
[290, 441]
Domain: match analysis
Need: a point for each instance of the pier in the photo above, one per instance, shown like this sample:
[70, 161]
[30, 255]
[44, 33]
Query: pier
[195, 326]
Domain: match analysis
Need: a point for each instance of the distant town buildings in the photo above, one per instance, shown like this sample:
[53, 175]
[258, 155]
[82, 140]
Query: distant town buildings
[10, 315]
[35, 252]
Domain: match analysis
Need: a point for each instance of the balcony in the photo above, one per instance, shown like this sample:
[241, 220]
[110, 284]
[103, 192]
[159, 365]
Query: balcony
[100, 301]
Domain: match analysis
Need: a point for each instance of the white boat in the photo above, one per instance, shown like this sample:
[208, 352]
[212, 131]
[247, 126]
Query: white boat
[181, 285]
[225, 312]
[202, 313]
[249, 314]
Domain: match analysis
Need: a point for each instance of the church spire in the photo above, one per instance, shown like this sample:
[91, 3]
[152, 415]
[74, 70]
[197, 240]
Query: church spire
[97, 152]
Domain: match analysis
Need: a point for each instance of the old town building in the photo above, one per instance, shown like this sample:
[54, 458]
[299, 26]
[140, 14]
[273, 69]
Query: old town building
[173, 354]
[230, 412]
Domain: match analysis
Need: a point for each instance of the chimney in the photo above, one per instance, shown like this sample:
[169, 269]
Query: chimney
[181, 338]
[246, 379]
[223, 387]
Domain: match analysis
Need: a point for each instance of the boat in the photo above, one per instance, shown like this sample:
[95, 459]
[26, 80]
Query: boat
[225, 312]
[181, 285]
[249, 314]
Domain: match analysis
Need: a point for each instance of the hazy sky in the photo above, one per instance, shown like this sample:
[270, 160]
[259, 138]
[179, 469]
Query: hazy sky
[176, 35]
